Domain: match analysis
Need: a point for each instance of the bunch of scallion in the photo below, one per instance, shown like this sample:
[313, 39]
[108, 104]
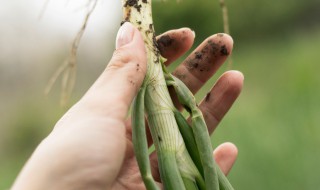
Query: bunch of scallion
[184, 151]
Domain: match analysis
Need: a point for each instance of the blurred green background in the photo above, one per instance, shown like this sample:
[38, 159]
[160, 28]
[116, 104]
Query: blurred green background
[274, 123]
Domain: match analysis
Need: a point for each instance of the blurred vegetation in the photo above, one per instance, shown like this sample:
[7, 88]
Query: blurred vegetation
[275, 122]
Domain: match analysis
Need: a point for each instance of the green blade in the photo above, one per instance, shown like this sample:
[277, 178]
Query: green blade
[189, 184]
[169, 171]
[140, 143]
[189, 140]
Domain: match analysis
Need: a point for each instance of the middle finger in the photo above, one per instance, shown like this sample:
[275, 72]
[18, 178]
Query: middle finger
[204, 61]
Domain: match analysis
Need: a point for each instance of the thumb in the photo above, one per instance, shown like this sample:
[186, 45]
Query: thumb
[117, 86]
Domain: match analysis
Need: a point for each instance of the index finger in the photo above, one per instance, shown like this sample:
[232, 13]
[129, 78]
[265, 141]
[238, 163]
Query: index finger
[175, 43]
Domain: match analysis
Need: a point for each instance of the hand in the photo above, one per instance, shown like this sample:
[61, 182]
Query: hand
[91, 147]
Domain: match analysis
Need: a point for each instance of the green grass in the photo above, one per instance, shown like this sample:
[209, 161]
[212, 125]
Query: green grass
[275, 122]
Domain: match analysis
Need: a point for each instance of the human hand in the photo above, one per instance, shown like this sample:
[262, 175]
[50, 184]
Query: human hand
[91, 147]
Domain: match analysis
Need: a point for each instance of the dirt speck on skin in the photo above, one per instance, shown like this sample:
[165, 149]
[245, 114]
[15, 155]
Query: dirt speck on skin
[198, 55]
[132, 83]
[164, 41]
[179, 75]
[199, 60]
[202, 59]
[214, 48]
[144, 1]
[224, 50]
[184, 37]
[192, 63]
[159, 138]
[208, 97]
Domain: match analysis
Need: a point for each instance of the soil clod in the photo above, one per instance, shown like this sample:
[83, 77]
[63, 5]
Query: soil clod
[214, 48]
[164, 41]
[224, 50]
[133, 3]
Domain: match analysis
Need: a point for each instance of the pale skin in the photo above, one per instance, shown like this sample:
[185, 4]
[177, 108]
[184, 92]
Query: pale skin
[90, 146]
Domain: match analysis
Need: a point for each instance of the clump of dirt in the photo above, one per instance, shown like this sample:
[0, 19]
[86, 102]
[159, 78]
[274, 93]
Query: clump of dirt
[224, 50]
[133, 3]
[165, 41]
[212, 47]
[203, 58]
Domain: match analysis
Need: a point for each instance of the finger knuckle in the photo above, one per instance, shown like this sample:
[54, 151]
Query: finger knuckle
[121, 58]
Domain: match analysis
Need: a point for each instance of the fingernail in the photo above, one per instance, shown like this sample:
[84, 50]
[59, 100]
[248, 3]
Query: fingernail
[125, 35]
[193, 33]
